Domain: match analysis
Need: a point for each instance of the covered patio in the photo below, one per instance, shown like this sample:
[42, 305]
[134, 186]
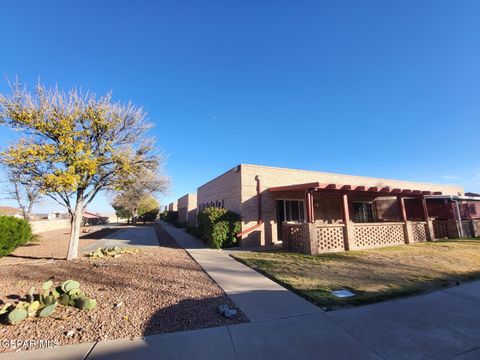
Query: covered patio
[339, 217]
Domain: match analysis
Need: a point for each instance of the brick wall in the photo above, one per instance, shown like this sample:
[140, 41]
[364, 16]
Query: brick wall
[224, 190]
[173, 206]
[270, 176]
[187, 209]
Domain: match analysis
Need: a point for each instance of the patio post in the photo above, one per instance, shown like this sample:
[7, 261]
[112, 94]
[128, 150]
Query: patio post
[401, 205]
[429, 223]
[349, 231]
[407, 225]
[309, 206]
[345, 209]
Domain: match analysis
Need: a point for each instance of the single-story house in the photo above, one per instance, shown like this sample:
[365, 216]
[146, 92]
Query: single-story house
[90, 218]
[51, 216]
[187, 209]
[312, 212]
[11, 211]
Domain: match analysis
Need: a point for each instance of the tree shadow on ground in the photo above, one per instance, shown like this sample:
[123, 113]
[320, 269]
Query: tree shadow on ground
[34, 257]
[99, 234]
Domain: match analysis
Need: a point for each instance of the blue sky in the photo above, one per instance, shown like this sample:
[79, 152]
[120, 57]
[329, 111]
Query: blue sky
[374, 88]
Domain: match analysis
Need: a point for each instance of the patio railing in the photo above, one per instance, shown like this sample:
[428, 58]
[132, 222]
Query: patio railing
[378, 234]
[316, 238]
[293, 237]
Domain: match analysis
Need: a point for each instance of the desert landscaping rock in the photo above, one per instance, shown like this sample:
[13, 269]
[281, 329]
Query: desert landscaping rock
[230, 313]
[222, 308]
[162, 289]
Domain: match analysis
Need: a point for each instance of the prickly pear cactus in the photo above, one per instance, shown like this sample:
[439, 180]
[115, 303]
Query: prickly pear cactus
[48, 310]
[55, 293]
[4, 309]
[64, 299]
[47, 285]
[112, 252]
[33, 308]
[45, 303]
[70, 285]
[30, 296]
[84, 303]
[17, 315]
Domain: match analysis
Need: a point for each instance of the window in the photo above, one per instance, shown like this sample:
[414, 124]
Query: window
[363, 212]
[293, 210]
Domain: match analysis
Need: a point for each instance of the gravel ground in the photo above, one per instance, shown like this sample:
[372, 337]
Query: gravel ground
[53, 245]
[162, 289]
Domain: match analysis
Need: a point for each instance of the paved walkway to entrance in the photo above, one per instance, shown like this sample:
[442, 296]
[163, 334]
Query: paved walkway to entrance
[126, 237]
[439, 325]
[259, 297]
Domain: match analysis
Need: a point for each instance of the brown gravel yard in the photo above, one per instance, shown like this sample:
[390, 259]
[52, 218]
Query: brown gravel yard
[53, 245]
[161, 290]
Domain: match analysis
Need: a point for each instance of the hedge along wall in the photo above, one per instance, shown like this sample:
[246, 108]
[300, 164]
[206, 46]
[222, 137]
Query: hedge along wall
[13, 233]
[218, 227]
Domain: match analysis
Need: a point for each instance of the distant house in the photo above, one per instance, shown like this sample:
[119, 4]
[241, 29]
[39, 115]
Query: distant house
[51, 216]
[90, 218]
[11, 211]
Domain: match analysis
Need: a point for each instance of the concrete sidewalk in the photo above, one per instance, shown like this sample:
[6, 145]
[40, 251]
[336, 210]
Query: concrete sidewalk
[259, 297]
[439, 325]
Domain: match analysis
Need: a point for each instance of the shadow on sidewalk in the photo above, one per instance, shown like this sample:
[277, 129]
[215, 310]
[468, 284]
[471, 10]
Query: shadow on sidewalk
[164, 238]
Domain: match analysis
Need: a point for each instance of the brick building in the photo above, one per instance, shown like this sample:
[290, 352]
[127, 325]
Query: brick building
[187, 209]
[173, 206]
[317, 212]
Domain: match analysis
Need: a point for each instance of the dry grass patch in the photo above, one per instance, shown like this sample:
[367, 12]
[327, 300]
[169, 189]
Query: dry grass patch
[373, 275]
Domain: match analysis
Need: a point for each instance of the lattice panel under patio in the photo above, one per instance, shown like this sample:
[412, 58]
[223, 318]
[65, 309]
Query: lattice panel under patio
[440, 229]
[419, 231]
[329, 239]
[476, 226]
[378, 235]
[467, 228]
[294, 240]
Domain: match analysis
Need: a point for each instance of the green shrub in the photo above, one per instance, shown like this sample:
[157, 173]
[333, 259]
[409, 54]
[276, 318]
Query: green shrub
[218, 227]
[13, 232]
[150, 215]
[171, 217]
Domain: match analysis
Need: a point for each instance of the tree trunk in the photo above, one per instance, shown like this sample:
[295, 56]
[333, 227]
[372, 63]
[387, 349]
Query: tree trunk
[25, 214]
[76, 223]
[29, 211]
[134, 216]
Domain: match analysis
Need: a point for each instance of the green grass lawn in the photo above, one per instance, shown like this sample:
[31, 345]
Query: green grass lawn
[373, 275]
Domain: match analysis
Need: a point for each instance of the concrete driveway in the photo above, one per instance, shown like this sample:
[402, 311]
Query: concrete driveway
[141, 236]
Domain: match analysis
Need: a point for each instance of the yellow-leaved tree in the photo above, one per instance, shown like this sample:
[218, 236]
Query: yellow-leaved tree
[74, 145]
